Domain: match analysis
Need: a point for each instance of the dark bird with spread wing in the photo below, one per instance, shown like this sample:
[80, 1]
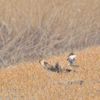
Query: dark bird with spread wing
[50, 68]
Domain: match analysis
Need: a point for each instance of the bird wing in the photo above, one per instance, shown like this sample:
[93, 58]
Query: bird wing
[49, 68]
[72, 56]
[46, 66]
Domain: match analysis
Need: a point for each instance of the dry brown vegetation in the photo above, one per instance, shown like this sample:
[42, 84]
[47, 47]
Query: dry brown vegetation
[50, 29]
[27, 81]
[30, 29]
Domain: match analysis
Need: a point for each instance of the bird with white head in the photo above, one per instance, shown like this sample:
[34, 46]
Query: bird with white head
[71, 59]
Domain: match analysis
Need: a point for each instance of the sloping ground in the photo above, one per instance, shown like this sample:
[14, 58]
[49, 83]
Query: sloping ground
[30, 29]
[28, 81]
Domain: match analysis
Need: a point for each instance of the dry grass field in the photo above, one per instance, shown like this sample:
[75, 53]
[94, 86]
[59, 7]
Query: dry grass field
[49, 29]
[28, 81]
[30, 29]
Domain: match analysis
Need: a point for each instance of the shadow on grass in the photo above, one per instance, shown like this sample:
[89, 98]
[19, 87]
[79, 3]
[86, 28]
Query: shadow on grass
[75, 66]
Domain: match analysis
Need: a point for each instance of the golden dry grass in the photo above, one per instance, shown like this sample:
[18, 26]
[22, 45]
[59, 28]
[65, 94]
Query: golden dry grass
[30, 29]
[28, 81]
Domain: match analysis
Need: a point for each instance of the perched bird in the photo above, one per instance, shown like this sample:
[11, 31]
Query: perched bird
[56, 65]
[71, 59]
[58, 68]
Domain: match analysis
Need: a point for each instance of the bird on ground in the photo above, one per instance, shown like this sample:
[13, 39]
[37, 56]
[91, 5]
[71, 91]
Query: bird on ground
[46, 66]
[56, 65]
[71, 59]
[50, 68]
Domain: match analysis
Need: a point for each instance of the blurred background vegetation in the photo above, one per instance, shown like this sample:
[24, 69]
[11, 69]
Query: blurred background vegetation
[34, 29]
